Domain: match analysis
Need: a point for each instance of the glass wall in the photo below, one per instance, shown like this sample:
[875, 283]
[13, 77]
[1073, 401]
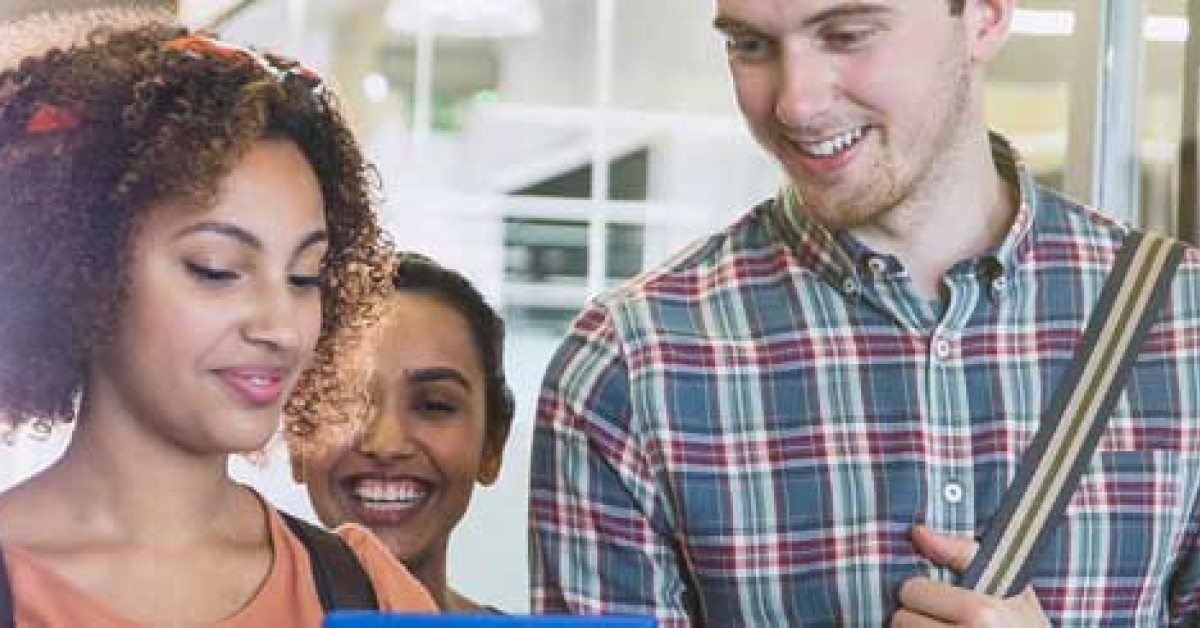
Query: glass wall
[1161, 130]
[1032, 83]
[550, 149]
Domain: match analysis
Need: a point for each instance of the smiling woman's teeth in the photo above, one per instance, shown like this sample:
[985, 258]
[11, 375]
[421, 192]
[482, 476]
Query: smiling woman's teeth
[835, 144]
[388, 492]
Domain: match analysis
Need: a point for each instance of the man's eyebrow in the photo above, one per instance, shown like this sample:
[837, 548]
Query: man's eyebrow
[732, 25]
[728, 24]
[852, 9]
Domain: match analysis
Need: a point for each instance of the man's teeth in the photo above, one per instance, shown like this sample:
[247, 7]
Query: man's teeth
[389, 491]
[835, 144]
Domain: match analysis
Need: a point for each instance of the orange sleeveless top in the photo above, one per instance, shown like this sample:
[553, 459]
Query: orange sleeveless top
[288, 596]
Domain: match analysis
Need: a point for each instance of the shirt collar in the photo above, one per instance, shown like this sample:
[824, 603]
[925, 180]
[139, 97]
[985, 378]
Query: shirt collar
[838, 257]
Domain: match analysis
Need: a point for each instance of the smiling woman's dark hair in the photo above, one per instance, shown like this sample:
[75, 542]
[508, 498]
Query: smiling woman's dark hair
[129, 115]
[414, 272]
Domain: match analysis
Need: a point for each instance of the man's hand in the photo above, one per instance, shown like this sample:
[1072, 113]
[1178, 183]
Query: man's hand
[924, 602]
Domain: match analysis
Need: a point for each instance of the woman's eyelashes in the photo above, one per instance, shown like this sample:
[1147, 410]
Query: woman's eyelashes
[219, 275]
[309, 270]
[210, 273]
[306, 282]
[436, 405]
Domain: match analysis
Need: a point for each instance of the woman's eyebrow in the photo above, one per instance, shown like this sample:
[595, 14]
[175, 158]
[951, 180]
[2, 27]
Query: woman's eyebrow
[437, 373]
[223, 228]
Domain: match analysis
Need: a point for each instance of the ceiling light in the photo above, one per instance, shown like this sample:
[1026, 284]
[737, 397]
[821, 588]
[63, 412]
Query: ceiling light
[1043, 22]
[1165, 28]
[376, 87]
[464, 18]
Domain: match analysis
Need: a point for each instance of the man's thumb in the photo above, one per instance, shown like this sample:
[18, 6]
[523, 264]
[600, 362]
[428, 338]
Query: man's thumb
[944, 550]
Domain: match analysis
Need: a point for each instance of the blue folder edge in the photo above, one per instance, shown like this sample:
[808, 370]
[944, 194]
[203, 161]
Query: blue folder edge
[367, 619]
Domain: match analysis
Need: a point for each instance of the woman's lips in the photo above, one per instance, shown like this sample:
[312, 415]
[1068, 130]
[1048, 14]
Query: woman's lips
[256, 386]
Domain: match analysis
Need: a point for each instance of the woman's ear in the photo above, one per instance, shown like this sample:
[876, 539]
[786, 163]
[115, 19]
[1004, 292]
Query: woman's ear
[489, 466]
[493, 456]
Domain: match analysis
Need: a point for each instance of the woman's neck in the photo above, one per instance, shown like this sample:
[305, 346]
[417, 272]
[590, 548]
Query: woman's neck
[430, 570]
[456, 602]
[125, 485]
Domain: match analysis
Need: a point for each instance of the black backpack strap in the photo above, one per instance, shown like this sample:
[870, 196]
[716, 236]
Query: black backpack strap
[342, 584]
[7, 608]
[1070, 429]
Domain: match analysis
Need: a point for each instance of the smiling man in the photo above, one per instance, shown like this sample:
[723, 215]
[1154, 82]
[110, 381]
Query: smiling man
[803, 419]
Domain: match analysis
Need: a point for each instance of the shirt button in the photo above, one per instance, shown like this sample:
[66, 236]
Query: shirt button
[850, 286]
[953, 492]
[942, 348]
[877, 265]
[1000, 283]
[1022, 215]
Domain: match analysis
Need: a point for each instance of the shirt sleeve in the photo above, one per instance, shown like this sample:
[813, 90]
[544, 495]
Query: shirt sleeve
[395, 588]
[1185, 585]
[601, 541]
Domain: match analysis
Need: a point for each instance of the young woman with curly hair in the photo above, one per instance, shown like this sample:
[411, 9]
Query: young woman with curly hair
[439, 416]
[187, 246]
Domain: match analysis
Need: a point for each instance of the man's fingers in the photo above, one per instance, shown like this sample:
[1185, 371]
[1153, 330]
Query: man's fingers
[961, 607]
[904, 618]
[945, 550]
[1028, 600]
[934, 599]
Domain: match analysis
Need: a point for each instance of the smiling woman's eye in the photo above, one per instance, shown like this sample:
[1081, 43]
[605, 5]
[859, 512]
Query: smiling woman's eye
[436, 405]
[209, 274]
[433, 405]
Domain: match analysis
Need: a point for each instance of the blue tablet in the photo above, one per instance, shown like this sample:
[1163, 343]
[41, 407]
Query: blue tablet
[359, 619]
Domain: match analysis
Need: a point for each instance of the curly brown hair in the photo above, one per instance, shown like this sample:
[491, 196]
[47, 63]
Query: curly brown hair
[137, 121]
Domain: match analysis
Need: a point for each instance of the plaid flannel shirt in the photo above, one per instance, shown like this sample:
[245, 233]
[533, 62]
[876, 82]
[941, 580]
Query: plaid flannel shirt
[746, 435]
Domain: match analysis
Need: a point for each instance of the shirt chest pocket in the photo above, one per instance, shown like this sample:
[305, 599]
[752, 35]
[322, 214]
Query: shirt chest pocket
[1124, 520]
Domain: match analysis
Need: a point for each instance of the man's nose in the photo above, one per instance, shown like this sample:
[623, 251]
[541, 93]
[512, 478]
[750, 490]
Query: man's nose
[807, 87]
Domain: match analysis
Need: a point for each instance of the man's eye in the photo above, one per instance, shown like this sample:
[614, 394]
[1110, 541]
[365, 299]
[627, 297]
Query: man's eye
[849, 38]
[747, 47]
[209, 273]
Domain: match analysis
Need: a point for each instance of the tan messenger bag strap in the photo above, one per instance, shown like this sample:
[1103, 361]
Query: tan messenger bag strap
[1071, 426]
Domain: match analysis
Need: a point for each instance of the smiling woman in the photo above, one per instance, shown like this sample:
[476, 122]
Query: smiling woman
[187, 246]
[439, 416]
[222, 310]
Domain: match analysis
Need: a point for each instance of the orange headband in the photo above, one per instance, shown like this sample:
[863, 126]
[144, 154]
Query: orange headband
[48, 118]
[200, 44]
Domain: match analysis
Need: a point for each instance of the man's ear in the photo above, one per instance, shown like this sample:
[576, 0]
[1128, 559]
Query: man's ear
[988, 23]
